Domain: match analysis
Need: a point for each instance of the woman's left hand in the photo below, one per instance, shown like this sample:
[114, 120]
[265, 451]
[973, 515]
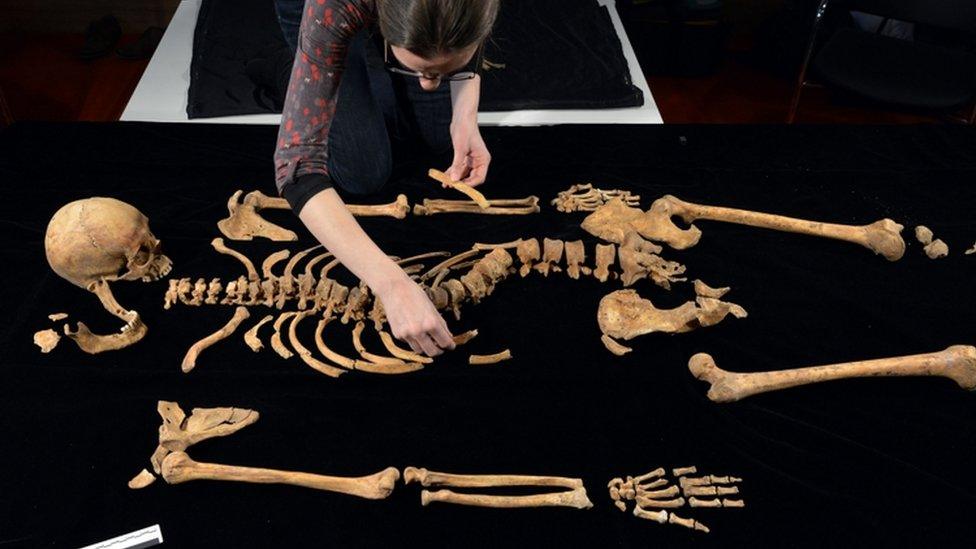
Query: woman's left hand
[471, 156]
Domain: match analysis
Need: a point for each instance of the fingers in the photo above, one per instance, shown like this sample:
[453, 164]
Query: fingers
[424, 344]
[476, 177]
[442, 336]
[459, 167]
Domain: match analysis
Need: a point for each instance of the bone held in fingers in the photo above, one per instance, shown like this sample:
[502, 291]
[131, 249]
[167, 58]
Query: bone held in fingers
[190, 360]
[179, 467]
[463, 188]
[957, 363]
[575, 499]
[882, 237]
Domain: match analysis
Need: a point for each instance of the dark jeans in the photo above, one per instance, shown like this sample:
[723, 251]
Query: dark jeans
[379, 116]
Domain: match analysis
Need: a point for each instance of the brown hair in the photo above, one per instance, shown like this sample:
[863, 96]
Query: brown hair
[430, 27]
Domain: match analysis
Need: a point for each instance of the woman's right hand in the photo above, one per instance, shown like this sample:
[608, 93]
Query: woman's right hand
[414, 319]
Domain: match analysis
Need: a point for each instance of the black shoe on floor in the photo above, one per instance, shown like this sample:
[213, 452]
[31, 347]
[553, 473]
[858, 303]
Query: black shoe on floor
[144, 47]
[101, 37]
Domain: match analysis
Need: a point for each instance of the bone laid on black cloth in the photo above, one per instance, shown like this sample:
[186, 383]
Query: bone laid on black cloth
[557, 54]
[876, 462]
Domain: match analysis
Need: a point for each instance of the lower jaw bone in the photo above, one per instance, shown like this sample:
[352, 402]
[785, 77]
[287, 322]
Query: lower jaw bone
[179, 467]
[957, 363]
[92, 343]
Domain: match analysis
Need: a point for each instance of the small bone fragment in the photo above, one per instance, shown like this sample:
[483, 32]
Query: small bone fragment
[190, 360]
[449, 183]
[251, 336]
[143, 479]
[923, 234]
[528, 252]
[276, 343]
[93, 343]
[660, 517]
[220, 247]
[639, 259]
[575, 499]
[57, 316]
[687, 523]
[575, 257]
[305, 354]
[971, 251]
[198, 293]
[660, 503]
[704, 290]
[490, 359]
[937, 249]
[47, 340]
[957, 362]
[605, 255]
[213, 291]
[179, 468]
[684, 471]
[512, 206]
[552, 252]
[400, 352]
[613, 346]
[461, 339]
[623, 314]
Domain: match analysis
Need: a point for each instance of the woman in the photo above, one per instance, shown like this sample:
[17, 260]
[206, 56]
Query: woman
[372, 78]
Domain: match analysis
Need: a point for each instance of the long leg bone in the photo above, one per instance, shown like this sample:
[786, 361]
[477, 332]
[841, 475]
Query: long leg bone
[575, 496]
[957, 363]
[428, 479]
[882, 237]
[190, 360]
[179, 467]
[398, 209]
[575, 499]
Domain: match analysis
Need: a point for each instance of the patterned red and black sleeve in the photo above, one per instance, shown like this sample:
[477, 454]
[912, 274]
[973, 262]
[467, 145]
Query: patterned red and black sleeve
[302, 150]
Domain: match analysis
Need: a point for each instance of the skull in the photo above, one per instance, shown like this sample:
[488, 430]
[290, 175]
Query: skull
[103, 239]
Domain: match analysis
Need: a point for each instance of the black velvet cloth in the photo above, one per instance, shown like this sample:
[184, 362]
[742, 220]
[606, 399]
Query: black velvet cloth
[557, 54]
[875, 462]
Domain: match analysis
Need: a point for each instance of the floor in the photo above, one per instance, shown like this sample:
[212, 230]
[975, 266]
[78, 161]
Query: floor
[42, 79]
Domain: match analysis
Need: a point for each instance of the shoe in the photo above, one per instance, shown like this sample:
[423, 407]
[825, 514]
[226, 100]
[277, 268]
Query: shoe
[101, 37]
[144, 47]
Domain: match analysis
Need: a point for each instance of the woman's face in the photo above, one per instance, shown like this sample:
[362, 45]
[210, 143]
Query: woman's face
[435, 67]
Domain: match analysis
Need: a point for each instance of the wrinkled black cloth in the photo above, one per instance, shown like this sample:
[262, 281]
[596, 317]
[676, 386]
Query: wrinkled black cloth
[557, 54]
[873, 462]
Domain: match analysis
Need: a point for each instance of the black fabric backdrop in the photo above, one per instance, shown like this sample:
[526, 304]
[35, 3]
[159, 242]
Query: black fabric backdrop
[878, 462]
[558, 54]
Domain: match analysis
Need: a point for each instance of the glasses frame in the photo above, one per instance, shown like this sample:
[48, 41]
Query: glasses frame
[457, 76]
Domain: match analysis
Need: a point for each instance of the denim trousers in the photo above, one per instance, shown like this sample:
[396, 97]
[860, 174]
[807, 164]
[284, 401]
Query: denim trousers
[380, 116]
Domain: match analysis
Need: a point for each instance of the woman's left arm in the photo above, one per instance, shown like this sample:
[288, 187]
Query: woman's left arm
[471, 157]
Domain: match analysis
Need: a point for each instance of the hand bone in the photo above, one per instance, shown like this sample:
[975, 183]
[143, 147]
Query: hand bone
[957, 362]
[583, 197]
[179, 467]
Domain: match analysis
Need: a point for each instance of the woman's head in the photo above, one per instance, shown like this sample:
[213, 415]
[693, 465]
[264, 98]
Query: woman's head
[436, 37]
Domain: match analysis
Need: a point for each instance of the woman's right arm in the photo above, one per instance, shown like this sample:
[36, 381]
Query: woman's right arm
[411, 314]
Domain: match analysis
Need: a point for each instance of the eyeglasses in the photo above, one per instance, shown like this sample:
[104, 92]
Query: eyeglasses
[466, 74]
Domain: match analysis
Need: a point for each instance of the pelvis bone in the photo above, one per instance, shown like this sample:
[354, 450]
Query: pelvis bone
[95, 241]
[613, 221]
[625, 315]
[957, 363]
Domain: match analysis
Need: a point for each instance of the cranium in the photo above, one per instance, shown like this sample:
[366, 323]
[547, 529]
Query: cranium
[94, 241]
